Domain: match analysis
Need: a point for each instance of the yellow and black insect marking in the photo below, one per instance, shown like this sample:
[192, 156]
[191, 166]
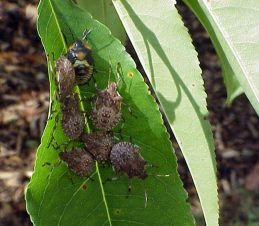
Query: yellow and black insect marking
[80, 55]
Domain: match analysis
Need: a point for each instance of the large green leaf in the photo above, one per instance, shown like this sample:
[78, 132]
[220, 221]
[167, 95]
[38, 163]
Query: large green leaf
[52, 199]
[170, 61]
[232, 85]
[233, 28]
[103, 11]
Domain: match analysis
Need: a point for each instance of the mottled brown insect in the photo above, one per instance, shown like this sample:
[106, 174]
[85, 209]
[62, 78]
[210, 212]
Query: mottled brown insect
[72, 118]
[78, 161]
[99, 144]
[107, 109]
[125, 157]
[65, 76]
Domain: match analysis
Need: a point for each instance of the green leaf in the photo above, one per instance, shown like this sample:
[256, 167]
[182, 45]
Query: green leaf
[103, 11]
[57, 197]
[170, 62]
[231, 83]
[233, 28]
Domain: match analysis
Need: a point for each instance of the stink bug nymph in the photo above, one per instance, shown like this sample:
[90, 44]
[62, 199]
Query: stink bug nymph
[65, 76]
[99, 144]
[72, 117]
[107, 109]
[126, 158]
[78, 161]
[80, 55]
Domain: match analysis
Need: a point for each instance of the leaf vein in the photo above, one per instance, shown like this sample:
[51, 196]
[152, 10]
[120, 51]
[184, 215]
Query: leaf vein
[70, 200]
[235, 7]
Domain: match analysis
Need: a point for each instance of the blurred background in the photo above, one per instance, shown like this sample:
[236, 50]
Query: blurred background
[24, 101]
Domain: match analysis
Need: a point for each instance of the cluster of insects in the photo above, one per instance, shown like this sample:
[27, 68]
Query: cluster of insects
[77, 68]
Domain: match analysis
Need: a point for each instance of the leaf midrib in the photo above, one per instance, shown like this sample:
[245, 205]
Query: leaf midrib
[103, 193]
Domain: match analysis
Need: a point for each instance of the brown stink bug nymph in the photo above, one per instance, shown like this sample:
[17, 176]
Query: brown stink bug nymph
[78, 161]
[72, 118]
[65, 76]
[99, 144]
[125, 157]
[107, 109]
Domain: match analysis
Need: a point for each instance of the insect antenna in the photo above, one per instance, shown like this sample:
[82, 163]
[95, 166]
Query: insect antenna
[119, 73]
[86, 33]
[110, 69]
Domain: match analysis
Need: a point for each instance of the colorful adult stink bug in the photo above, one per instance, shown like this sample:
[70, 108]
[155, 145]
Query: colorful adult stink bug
[107, 109]
[80, 55]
